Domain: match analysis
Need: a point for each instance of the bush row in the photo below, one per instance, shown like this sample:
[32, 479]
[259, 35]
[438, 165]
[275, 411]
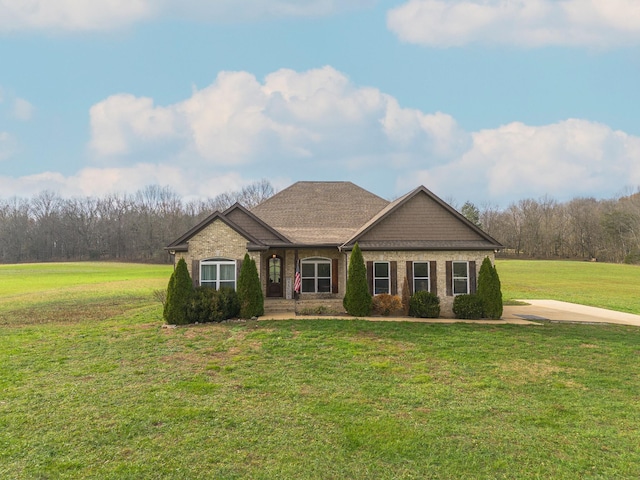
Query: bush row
[185, 304]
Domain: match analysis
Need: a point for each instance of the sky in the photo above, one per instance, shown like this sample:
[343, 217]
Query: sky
[489, 101]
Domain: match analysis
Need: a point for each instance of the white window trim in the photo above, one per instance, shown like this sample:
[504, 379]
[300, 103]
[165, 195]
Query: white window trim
[387, 278]
[454, 278]
[427, 278]
[218, 262]
[315, 261]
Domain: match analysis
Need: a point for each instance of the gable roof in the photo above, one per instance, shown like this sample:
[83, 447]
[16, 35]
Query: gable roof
[319, 213]
[252, 228]
[340, 214]
[421, 220]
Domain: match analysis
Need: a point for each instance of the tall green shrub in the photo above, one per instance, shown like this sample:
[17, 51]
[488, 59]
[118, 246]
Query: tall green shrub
[179, 293]
[250, 289]
[489, 290]
[357, 299]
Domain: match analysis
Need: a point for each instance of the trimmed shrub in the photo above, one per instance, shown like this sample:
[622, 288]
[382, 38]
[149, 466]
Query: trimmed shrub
[385, 304]
[209, 305]
[230, 303]
[467, 307]
[489, 290]
[179, 293]
[250, 290]
[357, 299]
[424, 305]
[406, 297]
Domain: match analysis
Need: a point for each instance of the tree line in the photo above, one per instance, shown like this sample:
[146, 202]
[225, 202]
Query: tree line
[125, 227]
[582, 228]
[136, 227]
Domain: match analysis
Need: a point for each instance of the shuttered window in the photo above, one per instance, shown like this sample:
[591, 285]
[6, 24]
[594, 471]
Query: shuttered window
[460, 272]
[316, 275]
[218, 273]
[381, 278]
[421, 277]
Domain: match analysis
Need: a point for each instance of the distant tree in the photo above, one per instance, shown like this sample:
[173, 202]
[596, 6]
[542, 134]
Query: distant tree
[489, 291]
[250, 289]
[471, 213]
[357, 299]
[179, 293]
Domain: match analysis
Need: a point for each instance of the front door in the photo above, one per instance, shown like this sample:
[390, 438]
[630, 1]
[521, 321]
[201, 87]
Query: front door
[274, 268]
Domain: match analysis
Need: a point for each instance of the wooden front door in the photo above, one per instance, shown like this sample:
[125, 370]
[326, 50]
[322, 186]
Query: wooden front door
[274, 280]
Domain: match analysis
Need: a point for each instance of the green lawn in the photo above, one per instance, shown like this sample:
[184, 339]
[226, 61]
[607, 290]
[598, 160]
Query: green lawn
[605, 285]
[112, 395]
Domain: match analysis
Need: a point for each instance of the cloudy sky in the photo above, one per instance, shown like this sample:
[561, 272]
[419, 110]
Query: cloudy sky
[484, 100]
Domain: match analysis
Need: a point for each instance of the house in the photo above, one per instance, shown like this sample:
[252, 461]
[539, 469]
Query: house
[313, 226]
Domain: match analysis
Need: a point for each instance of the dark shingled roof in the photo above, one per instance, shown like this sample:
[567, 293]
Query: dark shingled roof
[320, 213]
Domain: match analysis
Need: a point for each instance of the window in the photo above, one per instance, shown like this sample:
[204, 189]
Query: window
[316, 275]
[460, 278]
[421, 280]
[218, 274]
[381, 278]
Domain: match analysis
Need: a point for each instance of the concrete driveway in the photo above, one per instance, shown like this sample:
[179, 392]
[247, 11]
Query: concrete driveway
[557, 311]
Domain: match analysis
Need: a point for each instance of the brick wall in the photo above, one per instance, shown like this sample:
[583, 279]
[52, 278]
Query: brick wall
[440, 257]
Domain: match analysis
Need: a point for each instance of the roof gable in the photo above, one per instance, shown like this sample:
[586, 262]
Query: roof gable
[251, 224]
[420, 219]
[315, 213]
[181, 244]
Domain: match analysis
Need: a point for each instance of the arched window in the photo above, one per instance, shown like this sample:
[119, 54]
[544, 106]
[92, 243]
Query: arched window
[218, 273]
[316, 275]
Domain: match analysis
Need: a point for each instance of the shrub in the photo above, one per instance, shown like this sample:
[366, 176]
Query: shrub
[230, 303]
[424, 305]
[179, 293]
[209, 305]
[385, 304]
[357, 299]
[250, 290]
[406, 297]
[467, 306]
[489, 290]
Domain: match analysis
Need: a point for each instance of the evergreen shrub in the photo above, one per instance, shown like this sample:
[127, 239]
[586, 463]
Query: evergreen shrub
[250, 290]
[179, 293]
[209, 305]
[467, 307]
[424, 304]
[489, 290]
[357, 299]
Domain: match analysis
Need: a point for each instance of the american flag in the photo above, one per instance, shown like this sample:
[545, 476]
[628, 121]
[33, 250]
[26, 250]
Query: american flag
[297, 285]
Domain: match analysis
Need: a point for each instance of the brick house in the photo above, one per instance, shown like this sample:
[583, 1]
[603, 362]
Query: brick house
[313, 226]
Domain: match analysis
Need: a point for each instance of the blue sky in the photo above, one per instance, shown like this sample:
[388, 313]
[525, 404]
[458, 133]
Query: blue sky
[484, 100]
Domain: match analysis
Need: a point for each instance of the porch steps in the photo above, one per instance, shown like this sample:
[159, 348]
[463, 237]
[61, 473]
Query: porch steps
[278, 305]
[281, 305]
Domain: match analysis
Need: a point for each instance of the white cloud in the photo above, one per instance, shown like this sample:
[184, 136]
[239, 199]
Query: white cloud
[237, 120]
[22, 109]
[564, 160]
[526, 23]
[103, 181]
[84, 15]
[319, 125]
[71, 15]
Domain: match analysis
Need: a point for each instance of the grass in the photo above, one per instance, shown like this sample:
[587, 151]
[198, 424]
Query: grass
[114, 396]
[588, 283]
